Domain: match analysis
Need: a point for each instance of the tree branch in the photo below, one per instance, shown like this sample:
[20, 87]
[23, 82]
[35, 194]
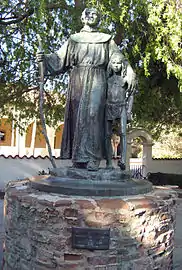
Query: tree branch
[17, 20]
[119, 33]
[78, 3]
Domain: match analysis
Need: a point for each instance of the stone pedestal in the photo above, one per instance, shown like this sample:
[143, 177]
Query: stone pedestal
[39, 230]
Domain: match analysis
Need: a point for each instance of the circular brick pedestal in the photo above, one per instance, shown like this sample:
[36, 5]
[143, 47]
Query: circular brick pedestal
[39, 225]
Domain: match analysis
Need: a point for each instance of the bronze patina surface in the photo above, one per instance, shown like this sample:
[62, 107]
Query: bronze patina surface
[73, 181]
[88, 57]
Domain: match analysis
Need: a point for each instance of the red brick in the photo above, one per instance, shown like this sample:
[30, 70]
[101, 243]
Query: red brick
[98, 267]
[68, 242]
[49, 213]
[112, 267]
[164, 216]
[143, 203]
[149, 238]
[164, 196]
[72, 257]
[100, 260]
[46, 203]
[85, 204]
[28, 199]
[73, 221]
[46, 263]
[39, 177]
[112, 204]
[70, 266]
[99, 218]
[70, 212]
[54, 235]
[62, 203]
[13, 193]
[123, 218]
[157, 250]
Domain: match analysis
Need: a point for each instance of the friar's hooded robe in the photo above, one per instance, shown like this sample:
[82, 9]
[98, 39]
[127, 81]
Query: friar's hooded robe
[85, 55]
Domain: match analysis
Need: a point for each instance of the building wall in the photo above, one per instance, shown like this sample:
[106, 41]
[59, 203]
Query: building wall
[22, 155]
[6, 128]
[165, 166]
[173, 166]
[31, 141]
[19, 168]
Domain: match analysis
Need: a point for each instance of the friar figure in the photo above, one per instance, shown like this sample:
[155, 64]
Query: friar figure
[119, 104]
[85, 56]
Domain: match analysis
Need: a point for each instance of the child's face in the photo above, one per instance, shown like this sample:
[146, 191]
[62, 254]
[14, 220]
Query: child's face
[116, 65]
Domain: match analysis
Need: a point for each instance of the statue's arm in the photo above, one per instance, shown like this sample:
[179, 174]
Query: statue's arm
[56, 63]
[113, 48]
[130, 79]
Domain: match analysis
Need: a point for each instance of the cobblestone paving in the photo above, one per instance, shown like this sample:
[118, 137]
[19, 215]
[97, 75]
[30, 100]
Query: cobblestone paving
[178, 236]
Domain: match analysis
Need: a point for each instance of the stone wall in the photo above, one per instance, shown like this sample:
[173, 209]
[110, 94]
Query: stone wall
[39, 230]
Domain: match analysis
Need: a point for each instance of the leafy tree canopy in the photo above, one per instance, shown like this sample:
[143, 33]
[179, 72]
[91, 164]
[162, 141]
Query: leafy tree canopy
[148, 33]
[168, 145]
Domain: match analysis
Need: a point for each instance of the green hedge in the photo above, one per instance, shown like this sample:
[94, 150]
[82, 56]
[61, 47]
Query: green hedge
[160, 179]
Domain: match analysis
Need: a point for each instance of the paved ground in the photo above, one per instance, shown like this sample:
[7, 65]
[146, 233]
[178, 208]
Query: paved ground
[178, 235]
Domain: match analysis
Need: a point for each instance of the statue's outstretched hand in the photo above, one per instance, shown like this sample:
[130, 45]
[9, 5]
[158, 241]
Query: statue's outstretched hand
[130, 78]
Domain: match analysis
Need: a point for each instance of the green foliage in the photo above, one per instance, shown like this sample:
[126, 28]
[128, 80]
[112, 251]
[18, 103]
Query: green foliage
[136, 148]
[148, 32]
[168, 145]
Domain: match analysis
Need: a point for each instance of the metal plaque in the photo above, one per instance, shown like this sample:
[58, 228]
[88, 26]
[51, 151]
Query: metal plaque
[91, 239]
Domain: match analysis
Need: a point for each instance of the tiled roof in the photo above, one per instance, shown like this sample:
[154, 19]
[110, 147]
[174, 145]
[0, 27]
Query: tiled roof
[27, 157]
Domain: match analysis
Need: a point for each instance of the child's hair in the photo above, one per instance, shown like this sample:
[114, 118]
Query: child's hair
[119, 57]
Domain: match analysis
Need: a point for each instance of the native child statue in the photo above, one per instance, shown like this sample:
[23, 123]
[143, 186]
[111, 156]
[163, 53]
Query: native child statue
[119, 104]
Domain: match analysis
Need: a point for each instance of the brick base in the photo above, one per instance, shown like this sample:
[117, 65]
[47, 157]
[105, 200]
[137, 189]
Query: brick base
[38, 230]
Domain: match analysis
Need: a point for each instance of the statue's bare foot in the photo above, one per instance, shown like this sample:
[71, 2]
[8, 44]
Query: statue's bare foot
[79, 165]
[93, 165]
[109, 166]
[121, 165]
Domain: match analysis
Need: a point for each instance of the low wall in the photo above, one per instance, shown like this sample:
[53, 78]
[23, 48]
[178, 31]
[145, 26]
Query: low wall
[172, 166]
[165, 166]
[14, 168]
[39, 230]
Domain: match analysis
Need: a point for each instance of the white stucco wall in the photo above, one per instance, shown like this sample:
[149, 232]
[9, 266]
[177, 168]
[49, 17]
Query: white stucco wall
[165, 166]
[159, 165]
[20, 168]
[16, 168]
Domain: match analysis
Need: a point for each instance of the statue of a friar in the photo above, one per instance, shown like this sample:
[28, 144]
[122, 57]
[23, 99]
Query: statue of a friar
[85, 56]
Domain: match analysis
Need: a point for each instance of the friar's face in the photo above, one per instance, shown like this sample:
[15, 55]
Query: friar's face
[90, 17]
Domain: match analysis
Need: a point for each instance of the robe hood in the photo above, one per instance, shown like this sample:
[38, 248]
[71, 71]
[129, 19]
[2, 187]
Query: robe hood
[90, 37]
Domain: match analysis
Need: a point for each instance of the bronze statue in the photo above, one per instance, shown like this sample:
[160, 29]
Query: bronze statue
[85, 56]
[118, 106]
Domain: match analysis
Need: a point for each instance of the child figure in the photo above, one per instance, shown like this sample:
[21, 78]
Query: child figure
[118, 106]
